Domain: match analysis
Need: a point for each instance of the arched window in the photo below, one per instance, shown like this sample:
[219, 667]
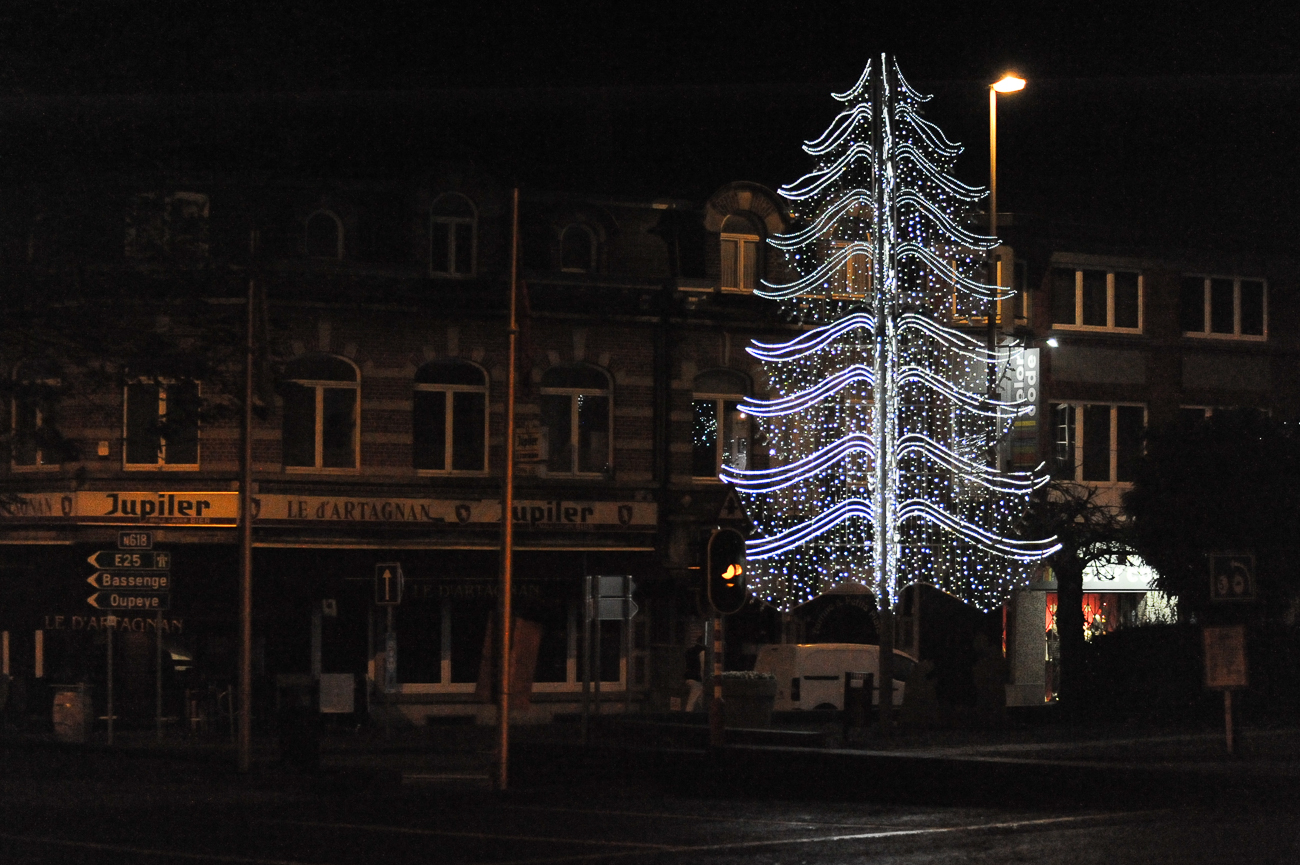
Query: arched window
[576, 416]
[321, 404]
[452, 229]
[740, 239]
[449, 432]
[161, 425]
[324, 237]
[721, 431]
[36, 442]
[577, 249]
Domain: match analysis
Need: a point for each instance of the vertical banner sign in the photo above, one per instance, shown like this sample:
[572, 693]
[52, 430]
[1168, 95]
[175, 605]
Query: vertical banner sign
[1020, 383]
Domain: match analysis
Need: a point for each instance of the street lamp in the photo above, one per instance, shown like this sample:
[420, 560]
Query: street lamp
[1006, 84]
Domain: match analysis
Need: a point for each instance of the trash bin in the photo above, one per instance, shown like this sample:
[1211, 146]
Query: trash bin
[858, 692]
[72, 712]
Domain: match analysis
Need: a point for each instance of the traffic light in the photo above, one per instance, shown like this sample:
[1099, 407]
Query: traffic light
[726, 570]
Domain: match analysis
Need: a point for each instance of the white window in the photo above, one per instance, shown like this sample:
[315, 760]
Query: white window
[1223, 307]
[321, 406]
[35, 442]
[1095, 299]
[453, 225]
[324, 236]
[577, 250]
[720, 434]
[740, 265]
[449, 417]
[1102, 443]
[576, 409]
[161, 424]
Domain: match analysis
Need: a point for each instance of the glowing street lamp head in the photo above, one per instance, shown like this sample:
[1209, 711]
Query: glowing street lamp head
[1009, 84]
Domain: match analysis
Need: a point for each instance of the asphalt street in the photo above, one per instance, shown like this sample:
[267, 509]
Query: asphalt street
[61, 807]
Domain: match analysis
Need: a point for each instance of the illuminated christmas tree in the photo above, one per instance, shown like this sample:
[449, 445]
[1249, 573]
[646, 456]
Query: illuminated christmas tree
[882, 428]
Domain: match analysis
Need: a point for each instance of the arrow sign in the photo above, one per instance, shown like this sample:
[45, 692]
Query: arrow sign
[388, 584]
[149, 560]
[615, 609]
[139, 581]
[135, 601]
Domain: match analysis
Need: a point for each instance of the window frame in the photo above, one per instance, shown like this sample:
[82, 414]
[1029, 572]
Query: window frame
[448, 419]
[162, 464]
[740, 239]
[719, 400]
[591, 248]
[454, 224]
[574, 430]
[338, 235]
[1110, 326]
[1079, 443]
[1206, 319]
[320, 386]
[39, 411]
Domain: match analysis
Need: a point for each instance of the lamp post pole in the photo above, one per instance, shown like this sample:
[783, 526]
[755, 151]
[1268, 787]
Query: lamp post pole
[1007, 84]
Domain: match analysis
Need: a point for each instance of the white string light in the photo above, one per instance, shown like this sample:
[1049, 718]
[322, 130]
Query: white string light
[879, 425]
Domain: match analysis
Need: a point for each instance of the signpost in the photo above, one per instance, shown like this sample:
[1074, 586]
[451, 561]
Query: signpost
[389, 582]
[133, 578]
[1225, 666]
[608, 599]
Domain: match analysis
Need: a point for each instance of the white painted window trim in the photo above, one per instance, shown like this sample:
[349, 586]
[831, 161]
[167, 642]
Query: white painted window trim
[454, 224]
[320, 387]
[573, 393]
[162, 465]
[448, 390]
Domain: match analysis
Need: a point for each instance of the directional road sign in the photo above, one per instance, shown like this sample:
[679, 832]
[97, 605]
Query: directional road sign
[137, 581]
[128, 600]
[614, 597]
[388, 584]
[151, 560]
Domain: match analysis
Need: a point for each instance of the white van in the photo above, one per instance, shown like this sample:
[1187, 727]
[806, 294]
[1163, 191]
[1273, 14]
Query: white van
[811, 676]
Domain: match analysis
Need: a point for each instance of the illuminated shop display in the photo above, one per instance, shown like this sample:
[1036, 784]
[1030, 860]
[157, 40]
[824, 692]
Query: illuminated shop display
[880, 425]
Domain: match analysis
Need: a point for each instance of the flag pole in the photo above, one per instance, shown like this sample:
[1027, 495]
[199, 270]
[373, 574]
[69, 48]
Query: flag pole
[507, 505]
[246, 529]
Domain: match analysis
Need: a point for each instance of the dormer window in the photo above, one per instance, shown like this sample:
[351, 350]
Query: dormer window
[452, 242]
[324, 236]
[740, 239]
[578, 249]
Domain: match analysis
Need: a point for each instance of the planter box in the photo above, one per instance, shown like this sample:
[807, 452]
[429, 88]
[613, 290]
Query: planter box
[748, 702]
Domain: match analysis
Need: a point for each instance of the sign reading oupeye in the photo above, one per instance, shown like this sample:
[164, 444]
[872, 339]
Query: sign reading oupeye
[221, 509]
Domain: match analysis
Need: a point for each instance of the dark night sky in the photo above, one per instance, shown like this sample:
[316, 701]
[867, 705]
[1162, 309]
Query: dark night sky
[1181, 118]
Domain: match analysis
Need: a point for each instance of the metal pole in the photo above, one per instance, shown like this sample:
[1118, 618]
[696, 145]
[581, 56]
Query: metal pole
[994, 304]
[627, 646]
[508, 504]
[245, 742]
[586, 652]
[717, 722]
[1227, 716]
[108, 634]
[157, 635]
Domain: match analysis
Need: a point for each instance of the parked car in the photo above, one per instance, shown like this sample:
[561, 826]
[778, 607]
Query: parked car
[811, 675]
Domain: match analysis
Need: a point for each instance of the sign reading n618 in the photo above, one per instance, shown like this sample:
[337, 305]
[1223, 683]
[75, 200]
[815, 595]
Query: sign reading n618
[142, 560]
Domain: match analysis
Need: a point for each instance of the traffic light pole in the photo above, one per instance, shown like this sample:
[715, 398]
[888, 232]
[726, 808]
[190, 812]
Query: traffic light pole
[717, 722]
